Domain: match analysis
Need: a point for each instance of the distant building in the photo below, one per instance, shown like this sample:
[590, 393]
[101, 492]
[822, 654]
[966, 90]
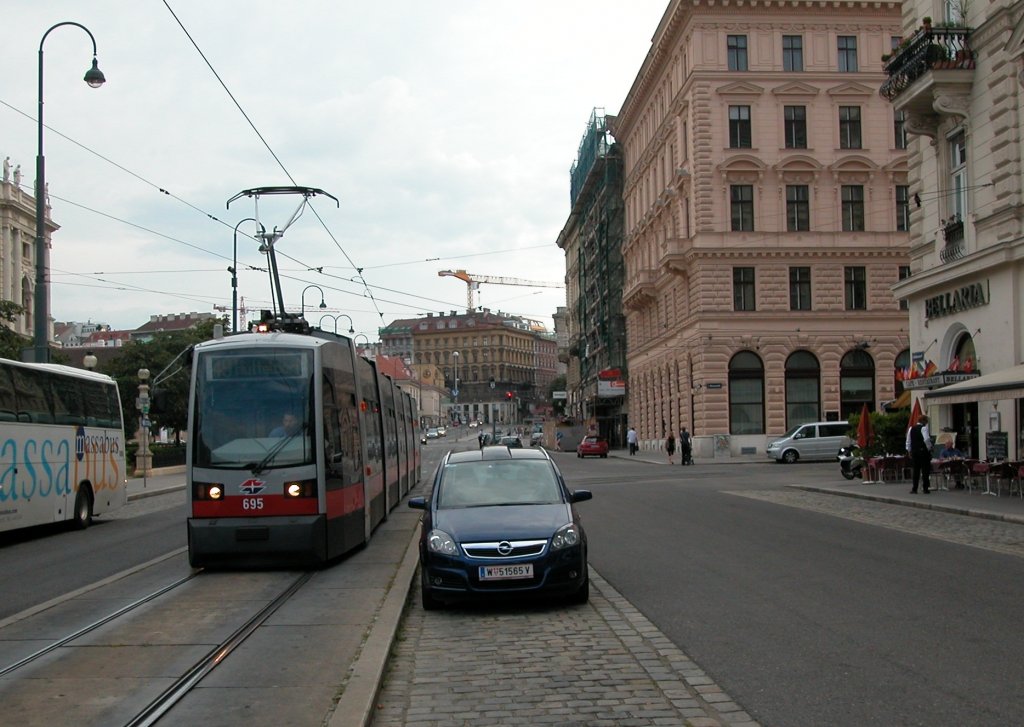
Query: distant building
[168, 323]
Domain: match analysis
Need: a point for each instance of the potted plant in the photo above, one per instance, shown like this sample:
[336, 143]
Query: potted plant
[927, 21]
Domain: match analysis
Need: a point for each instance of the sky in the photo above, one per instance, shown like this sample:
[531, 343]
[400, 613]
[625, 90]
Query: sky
[445, 129]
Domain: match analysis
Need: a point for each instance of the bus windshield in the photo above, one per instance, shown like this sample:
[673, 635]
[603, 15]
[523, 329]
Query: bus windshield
[254, 408]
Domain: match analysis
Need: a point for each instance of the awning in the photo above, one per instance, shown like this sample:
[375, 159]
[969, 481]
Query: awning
[900, 402]
[1005, 384]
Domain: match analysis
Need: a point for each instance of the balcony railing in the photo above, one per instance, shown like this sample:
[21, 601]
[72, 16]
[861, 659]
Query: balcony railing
[929, 49]
[953, 233]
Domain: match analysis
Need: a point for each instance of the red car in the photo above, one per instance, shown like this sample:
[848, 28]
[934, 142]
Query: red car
[593, 446]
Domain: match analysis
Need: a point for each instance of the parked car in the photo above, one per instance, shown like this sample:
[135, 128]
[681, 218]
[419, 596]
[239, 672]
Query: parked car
[432, 433]
[537, 438]
[814, 440]
[442, 431]
[511, 441]
[592, 447]
[501, 522]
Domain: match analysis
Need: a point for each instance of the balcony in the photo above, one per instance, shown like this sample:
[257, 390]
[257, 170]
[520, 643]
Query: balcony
[640, 290]
[953, 233]
[931, 75]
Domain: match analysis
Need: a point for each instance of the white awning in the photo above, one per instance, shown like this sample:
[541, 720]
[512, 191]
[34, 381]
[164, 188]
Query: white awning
[1005, 384]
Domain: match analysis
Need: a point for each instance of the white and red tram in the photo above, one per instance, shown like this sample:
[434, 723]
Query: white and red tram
[263, 494]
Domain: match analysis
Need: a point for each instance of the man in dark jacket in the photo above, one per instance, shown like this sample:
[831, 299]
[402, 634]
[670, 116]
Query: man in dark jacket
[919, 446]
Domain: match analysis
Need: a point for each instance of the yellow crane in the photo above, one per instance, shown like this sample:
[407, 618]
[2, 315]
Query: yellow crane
[473, 280]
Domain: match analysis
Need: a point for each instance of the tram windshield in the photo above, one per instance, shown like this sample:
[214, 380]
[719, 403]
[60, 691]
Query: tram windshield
[254, 408]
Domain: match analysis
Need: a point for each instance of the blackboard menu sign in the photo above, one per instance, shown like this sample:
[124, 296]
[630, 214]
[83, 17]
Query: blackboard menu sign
[996, 446]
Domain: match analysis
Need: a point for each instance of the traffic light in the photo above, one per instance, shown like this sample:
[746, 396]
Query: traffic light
[509, 395]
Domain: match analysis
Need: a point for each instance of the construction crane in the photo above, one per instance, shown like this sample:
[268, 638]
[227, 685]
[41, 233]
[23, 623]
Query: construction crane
[472, 281]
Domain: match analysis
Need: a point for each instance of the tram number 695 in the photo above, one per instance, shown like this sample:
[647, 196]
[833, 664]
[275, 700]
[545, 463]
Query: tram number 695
[252, 503]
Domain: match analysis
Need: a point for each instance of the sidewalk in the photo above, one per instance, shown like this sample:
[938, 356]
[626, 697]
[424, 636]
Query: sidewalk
[162, 481]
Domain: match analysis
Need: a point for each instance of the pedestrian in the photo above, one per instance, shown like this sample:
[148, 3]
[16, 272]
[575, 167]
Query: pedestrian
[919, 446]
[670, 446]
[685, 448]
[480, 439]
[558, 440]
[631, 441]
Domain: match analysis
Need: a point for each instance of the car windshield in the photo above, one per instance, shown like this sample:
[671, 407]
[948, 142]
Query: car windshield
[509, 482]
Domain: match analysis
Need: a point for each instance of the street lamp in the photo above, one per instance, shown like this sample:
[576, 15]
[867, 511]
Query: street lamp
[143, 457]
[323, 304]
[89, 361]
[351, 329]
[455, 391]
[94, 77]
[234, 272]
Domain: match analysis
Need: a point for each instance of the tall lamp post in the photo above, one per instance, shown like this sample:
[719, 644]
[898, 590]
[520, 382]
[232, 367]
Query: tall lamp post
[234, 272]
[89, 361]
[94, 77]
[143, 457]
[323, 304]
[455, 391]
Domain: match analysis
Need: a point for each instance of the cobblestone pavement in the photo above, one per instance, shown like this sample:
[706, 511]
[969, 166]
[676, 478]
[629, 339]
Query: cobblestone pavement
[598, 664]
[1002, 537]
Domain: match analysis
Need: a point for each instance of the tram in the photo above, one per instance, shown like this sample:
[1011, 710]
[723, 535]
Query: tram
[297, 449]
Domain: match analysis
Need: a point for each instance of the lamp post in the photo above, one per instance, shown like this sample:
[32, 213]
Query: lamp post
[89, 361]
[234, 272]
[143, 457]
[455, 390]
[94, 77]
[323, 304]
[351, 328]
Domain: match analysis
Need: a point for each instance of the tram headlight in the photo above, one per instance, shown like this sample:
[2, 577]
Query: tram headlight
[207, 491]
[302, 488]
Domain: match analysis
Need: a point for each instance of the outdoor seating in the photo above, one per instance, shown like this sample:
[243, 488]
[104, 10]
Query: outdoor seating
[1002, 471]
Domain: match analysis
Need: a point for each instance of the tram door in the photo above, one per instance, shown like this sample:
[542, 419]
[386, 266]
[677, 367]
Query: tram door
[965, 422]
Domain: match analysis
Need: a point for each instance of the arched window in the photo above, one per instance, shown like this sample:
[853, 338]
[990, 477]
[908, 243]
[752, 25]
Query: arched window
[746, 394]
[856, 383]
[803, 387]
[966, 355]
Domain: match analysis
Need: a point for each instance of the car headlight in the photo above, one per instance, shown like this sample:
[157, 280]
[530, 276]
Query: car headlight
[438, 541]
[566, 537]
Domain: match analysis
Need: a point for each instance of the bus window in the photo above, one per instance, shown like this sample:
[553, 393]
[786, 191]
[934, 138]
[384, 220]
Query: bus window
[33, 395]
[8, 405]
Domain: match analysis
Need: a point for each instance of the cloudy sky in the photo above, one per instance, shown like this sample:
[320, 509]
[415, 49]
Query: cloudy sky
[445, 129]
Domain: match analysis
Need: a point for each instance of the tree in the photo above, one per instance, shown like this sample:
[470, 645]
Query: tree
[11, 342]
[158, 355]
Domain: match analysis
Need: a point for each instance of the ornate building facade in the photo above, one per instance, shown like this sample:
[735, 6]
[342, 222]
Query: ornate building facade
[766, 203]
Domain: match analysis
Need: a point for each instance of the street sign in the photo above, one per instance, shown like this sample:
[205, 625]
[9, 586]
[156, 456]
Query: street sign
[455, 392]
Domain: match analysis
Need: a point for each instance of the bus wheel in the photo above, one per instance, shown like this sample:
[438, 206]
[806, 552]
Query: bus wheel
[83, 508]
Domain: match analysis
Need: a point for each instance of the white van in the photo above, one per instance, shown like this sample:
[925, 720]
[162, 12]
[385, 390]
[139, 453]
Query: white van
[814, 440]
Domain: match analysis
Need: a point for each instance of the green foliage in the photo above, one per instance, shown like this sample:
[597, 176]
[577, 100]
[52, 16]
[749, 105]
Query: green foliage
[890, 432]
[157, 355]
[11, 342]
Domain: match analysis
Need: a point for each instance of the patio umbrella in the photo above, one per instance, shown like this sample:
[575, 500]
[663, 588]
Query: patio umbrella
[865, 432]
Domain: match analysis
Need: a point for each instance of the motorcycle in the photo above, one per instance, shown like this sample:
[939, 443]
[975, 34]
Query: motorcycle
[851, 462]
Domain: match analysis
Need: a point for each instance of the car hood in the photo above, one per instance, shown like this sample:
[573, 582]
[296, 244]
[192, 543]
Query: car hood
[505, 522]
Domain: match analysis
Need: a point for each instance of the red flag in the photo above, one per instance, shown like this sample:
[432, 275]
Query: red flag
[915, 414]
[954, 365]
[865, 432]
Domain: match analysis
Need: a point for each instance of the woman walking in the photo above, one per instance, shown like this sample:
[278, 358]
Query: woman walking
[670, 446]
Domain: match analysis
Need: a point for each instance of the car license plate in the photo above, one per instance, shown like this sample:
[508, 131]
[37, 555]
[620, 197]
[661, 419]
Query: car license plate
[505, 572]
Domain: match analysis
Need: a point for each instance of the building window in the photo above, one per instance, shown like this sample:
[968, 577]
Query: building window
[746, 394]
[847, 45]
[742, 205]
[958, 174]
[856, 383]
[803, 387]
[902, 207]
[792, 53]
[855, 277]
[849, 127]
[798, 208]
[904, 274]
[800, 288]
[853, 207]
[899, 121]
[795, 124]
[736, 46]
[743, 289]
[739, 127]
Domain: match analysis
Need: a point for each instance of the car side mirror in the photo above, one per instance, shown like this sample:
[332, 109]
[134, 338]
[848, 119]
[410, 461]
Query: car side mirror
[418, 503]
[581, 495]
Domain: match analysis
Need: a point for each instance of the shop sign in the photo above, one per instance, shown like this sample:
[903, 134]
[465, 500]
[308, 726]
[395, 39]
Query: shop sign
[934, 382]
[970, 296]
[611, 388]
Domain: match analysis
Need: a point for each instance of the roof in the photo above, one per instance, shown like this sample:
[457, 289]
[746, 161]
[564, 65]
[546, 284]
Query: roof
[1005, 384]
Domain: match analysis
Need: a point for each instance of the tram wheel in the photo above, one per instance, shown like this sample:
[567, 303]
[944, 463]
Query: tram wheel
[83, 508]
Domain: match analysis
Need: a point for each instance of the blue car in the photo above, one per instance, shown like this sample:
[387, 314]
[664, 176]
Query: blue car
[501, 522]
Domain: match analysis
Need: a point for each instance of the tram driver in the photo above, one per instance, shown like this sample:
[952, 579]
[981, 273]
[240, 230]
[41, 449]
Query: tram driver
[289, 426]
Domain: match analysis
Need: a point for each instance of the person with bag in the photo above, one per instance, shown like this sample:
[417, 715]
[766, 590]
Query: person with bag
[919, 446]
[670, 447]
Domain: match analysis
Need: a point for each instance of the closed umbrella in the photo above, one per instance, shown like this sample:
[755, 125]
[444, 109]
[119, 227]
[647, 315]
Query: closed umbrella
[915, 414]
[865, 432]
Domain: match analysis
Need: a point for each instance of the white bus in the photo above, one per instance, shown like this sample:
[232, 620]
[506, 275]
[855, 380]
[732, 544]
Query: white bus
[61, 445]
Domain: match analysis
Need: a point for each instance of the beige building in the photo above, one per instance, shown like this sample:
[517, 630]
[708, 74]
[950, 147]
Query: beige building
[17, 245]
[766, 207]
[958, 81]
